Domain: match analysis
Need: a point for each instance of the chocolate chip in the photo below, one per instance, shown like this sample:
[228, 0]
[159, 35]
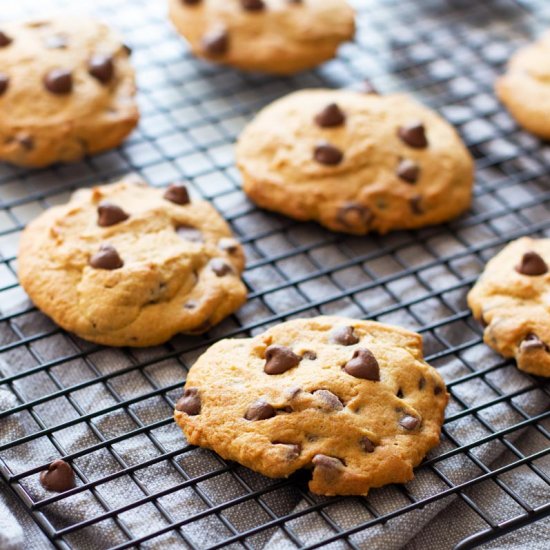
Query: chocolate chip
[421, 383]
[330, 401]
[367, 445]
[4, 82]
[188, 233]
[219, 267]
[354, 215]
[107, 258]
[293, 450]
[260, 410]
[327, 154]
[345, 336]
[310, 355]
[101, 67]
[408, 171]
[191, 2]
[279, 359]
[190, 305]
[109, 214]
[368, 88]
[330, 462]
[55, 42]
[252, 5]
[414, 135]
[5, 40]
[409, 422]
[416, 205]
[59, 477]
[363, 365]
[26, 141]
[438, 389]
[532, 264]
[177, 193]
[231, 246]
[330, 117]
[532, 342]
[190, 402]
[59, 81]
[399, 394]
[216, 42]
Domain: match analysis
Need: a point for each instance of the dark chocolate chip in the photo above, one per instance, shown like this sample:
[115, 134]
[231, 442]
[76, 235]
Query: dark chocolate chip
[354, 215]
[532, 342]
[59, 477]
[330, 117]
[109, 214]
[363, 365]
[408, 171]
[5, 40]
[4, 82]
[55, 42]
[368, 88]
[219, 267]
[421, 383]
[231, 246]
[367, 445]
[216, 42]
[345, 336]
[188, 233]
[414, 135]
[178, 194]
[293, 449]
[438, 389]
[330, 401]
[416, 205]
[399, 394]
[532, 264]
[252, 5]
[409, 422]
[190, 402]
[330, 462]
[59, 81]
[310, 355]
[107, 258]
[279, 359]
[102, 68]
[327, 154]
[260, 410]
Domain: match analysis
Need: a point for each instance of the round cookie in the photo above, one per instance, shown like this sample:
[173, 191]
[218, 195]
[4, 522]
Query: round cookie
[354, 400]
[130, 265]
[272, 36]
[525, 87]
[511, 300]
[66, 90]
[355, 162]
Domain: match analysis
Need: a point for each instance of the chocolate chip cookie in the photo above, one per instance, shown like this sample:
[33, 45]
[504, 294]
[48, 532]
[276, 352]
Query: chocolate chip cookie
[525, 88]
[353, 400]
[355, 162]
[66, 90]
[130, 265]
[273, 36]
[511, 300]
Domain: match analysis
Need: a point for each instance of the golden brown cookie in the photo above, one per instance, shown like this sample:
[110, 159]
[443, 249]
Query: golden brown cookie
[525, 88]
[273, 36]
[130, 265]
[354, 400]
[355, 162]
[66, 90]
[511, 300]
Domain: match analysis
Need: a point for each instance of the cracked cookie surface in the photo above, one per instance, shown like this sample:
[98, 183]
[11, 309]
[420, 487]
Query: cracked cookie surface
[272, 36]
[511, 299]
[66, 90]
[355, 162]
[130, 265]
[354, 400]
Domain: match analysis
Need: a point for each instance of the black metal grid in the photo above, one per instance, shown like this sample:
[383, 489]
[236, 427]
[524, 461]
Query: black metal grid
[447, 53]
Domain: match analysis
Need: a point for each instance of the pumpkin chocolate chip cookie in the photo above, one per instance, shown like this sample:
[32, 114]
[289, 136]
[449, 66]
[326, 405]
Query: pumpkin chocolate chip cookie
[355, 162]
[353, 400]
[130, 265]
[66, 90]
[511, 300]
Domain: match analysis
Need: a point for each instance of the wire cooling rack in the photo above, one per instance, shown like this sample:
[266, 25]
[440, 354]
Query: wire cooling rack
[108, 412]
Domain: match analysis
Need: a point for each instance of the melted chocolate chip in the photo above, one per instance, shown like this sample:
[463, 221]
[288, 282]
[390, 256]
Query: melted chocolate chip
[408, 171]
[414, 135]
[354, 215]
[293, 450]
[188, 233]
[438, 389]
[363, 365]
[107, 258]
[532, 342]
[55, 42]
[345, 336]
[219, 267]
[26, 141]
[409, 422]
[252, 5]
[330, 462]
[102, 68]
[59, 81]
[109, 214]
[190, 402]
[5, 40]
[260, 410]
[279, 359]
[327, 154]
[532, 264]
[329, 400]
[367, 445]
[416, 205]
[330, 117]
[421, 383]
[231, 246]
[216, 43]
[59, 477]
[4, 82]
[399, 394]
[310, 355]
[177, 193]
